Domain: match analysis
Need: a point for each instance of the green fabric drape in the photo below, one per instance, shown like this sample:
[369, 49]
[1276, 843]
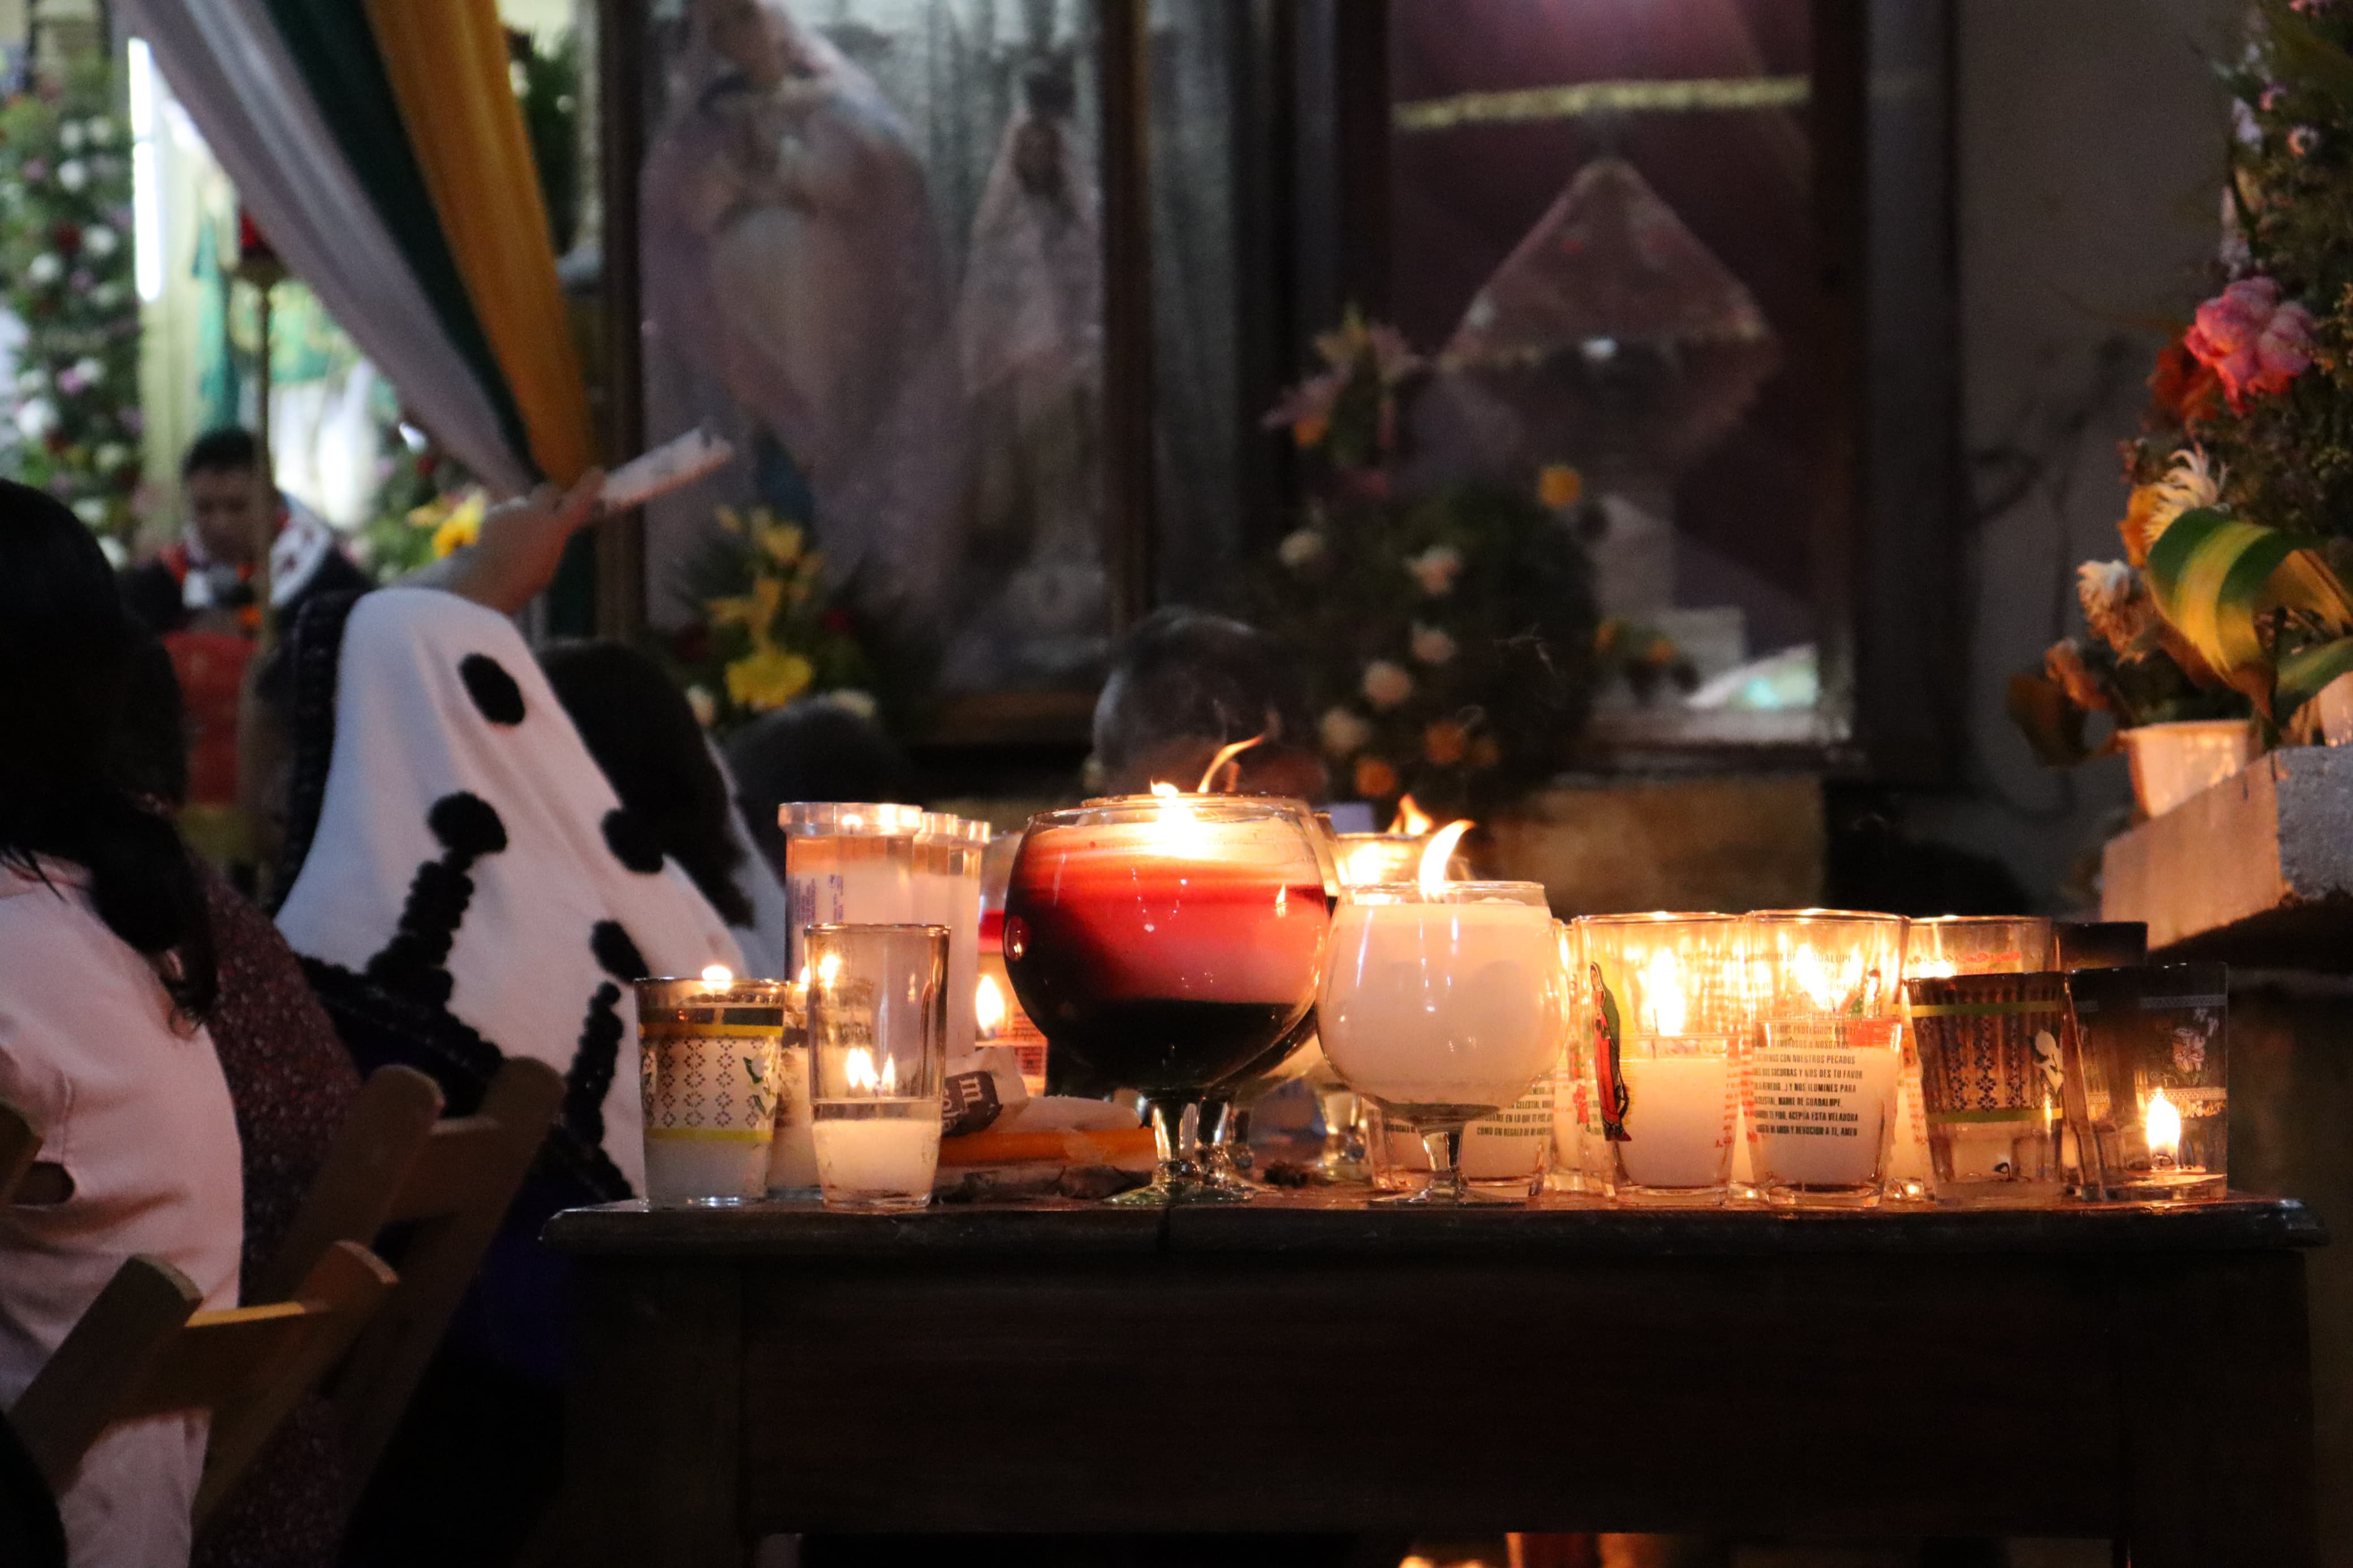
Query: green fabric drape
[333, 46]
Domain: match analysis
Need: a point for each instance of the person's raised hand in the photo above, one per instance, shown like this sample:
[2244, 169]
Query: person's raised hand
[521, 544]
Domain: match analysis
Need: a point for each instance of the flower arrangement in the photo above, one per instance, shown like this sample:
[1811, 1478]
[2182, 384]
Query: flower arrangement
[2238, 532]
[65, 252]
[1450, 632]
[769, 631]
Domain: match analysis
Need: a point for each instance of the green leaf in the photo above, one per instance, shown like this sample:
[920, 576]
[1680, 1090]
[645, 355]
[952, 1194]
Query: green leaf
[2052, 725]
[2303, 674]
[2299, 50]
[2212, 575]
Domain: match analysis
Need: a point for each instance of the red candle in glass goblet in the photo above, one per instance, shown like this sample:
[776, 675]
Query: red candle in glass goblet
[1164, 943]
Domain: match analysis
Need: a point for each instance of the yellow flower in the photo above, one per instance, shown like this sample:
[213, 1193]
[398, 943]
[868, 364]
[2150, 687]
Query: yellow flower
[781, 541]
[461, 526]
[768, 677]
[755, 610]
[728, 520]
[1558, 486]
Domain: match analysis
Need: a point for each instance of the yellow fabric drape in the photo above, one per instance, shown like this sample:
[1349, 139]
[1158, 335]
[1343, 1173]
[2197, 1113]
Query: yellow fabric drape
[447, 60]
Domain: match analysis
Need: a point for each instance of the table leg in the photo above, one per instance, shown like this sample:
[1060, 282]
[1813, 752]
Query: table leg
[653, 1455]
[2215, 1368]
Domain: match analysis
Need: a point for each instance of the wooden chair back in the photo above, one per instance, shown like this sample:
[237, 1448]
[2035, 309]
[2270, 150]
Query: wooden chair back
[142, 1349]
[450, 1192]
[19, 1141]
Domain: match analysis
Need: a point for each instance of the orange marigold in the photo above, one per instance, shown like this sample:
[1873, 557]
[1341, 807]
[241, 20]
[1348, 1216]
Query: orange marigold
[1485, 752]
[1375, 780]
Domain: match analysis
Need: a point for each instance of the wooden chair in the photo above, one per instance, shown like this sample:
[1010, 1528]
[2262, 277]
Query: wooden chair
[19, 1141]
[449, 1183]
[142, 1349]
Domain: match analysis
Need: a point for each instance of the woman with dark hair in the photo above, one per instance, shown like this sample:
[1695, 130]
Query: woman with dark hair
[107, 978]
[293, 1087]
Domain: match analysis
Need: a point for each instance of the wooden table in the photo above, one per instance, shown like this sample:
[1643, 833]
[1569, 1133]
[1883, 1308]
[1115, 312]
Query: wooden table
[2116, 1372]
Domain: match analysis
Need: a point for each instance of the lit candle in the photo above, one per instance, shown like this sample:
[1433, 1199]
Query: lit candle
[988, 1008]
[2161, 1127]
[1442, 1000]
[877, 1148]
[1822, 1091]
[709, 1078]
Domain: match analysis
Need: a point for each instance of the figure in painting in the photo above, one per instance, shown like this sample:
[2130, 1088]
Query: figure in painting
[1030, 324]
[795, 275]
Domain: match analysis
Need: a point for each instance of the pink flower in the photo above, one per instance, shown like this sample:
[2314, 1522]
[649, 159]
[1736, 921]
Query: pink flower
[2252, 341]
[2302, 141]
[2272, 96]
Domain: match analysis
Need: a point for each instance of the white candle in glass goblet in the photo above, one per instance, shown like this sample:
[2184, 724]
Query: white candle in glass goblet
[1447, 1009]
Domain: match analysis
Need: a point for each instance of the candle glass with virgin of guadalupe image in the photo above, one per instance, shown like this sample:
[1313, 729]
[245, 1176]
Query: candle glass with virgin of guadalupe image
[1821, 1093]
[1670, 1016]
[1167, 943]
[1935, 949]
[1442, 1005]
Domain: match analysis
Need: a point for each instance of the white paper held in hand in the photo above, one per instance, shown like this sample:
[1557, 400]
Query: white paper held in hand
[665, 469]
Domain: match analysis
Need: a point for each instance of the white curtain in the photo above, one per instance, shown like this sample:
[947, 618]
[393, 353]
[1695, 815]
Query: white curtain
[230, 70]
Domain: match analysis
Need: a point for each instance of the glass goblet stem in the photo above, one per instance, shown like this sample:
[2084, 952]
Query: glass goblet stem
[1445, 1148]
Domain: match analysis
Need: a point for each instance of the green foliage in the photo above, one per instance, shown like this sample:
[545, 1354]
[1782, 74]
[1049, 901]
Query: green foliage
[2218, 581]
[66, 253]
[548, 84]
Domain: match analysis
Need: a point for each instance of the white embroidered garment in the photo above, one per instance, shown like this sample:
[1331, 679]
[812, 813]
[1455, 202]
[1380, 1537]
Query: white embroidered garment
[139, 1118]
[468, 853]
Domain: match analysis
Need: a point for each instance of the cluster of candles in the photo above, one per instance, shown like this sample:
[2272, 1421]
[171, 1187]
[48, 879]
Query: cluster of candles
[1192, 946]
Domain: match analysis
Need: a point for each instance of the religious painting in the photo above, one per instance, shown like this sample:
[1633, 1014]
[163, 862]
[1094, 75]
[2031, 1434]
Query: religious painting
[1603, 231]
[870, 246]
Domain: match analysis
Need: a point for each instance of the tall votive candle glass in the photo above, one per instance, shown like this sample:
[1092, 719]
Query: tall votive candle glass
[877, 1026]
[1820, 1088]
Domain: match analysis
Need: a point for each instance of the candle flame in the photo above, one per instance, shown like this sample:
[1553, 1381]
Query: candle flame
[1165, 790]
[1440, 851]
[1176, 829]
[988, 1007]
[2162, 1123]
[1813, 978]
[1411, 821]
[858, 1070]
[717, 977]
[1663, 993]
[829, 970]
[1935, 969]
[1225, 754]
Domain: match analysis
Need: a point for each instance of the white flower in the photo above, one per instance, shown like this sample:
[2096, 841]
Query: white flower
[90, 510]
[100, 131]
[1300, 548]
[111, 548]
[1386, 684]
[36, 416]
[73, 174]
[705, 706]
[1435, 569]
[850, 700]
[100, 240]
[88, 371]
[2103, 586]
[1344, 733]
[106, 295]
[1432, 645]
[46, 267]
[29, 382]
[112, 455]
[70, 135]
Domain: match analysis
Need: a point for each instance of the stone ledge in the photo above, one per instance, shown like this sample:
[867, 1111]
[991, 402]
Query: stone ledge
[2258, 869]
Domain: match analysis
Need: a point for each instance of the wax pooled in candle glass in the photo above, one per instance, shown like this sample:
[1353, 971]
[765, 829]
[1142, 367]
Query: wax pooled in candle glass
[1820, 1094]
[1670, 1011]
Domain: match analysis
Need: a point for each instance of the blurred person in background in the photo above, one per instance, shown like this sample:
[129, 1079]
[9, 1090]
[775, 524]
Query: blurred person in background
[1185, 683]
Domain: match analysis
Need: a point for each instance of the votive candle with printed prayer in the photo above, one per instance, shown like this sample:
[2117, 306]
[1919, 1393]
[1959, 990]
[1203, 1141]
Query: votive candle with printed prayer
[1827, 1046]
